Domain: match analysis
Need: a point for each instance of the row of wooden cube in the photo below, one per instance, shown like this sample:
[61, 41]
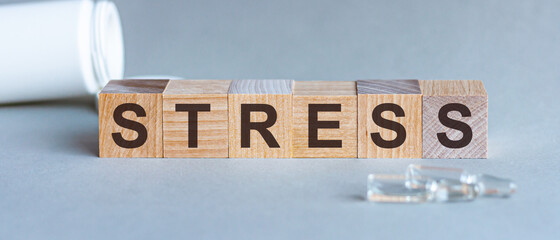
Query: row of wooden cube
[300, 119]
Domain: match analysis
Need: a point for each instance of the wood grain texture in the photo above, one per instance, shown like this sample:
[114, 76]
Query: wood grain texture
[452, 88]
[472, 94]
[263, 92]
[409, 86]
[325, 92]
[149, 97]
[212, 126]
[324, 88]
[261, 86]
[407, 95]
[186, 87]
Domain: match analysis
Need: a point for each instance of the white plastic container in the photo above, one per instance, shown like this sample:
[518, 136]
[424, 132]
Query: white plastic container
[58, 49]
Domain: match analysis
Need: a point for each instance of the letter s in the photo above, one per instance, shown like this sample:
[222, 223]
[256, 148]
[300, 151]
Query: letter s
[129, 124]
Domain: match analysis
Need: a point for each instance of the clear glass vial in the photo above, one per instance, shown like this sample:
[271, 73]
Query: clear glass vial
[395, 189]
[484, 184]
[392, 189]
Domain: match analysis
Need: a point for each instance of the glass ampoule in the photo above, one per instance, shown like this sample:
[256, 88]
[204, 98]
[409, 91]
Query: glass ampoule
[484, 184]
[394, 189]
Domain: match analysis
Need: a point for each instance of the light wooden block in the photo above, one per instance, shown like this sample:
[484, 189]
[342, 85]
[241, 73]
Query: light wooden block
[389, 97]
[205, 102]
[465, 116]
[262, 94]
[336, 133]
[130, 119]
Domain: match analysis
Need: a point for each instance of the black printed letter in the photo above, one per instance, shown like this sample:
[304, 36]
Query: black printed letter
[454, 124]
[261, 127]
[384, 123]
[129, 124]
[193, 110]
[314, 125]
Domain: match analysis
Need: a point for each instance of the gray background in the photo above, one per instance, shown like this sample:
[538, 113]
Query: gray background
[53, 185]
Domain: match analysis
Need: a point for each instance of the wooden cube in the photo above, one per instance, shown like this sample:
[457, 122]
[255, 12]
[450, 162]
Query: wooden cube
[455, 119]
[325, 117]
[130, 118]
[195, 119]
[389, 119]
[260, 119]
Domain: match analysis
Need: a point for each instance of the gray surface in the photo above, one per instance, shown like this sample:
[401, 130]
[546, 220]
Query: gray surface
[52, 185]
